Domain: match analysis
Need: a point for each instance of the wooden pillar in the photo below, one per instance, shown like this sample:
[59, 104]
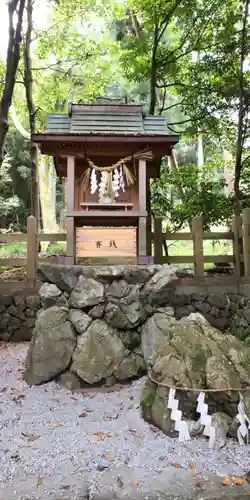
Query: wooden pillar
[70, 208]
[142, 228]
[149, 220]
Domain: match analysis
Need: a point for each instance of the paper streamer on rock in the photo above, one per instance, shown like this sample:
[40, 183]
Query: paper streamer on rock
[206, 419]
[244, 421]
[176, 415]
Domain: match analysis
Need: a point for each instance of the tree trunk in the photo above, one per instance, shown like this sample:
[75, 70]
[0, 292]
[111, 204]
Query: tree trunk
[28, 83]
[13, 57]
[153, 75]
[242, 114]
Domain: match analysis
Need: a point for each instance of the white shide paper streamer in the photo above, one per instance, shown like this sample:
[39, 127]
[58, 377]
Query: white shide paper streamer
[93, 182]
[206, 419]
[244, 421]
[176, 415]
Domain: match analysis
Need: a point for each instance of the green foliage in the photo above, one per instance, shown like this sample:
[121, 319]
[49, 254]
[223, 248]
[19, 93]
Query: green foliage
[202, 193]
[14, 184]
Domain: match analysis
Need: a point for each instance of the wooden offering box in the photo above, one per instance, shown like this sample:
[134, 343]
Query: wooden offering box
[106, 242]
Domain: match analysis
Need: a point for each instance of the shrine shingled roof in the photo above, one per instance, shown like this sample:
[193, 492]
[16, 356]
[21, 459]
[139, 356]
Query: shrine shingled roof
[111, 119]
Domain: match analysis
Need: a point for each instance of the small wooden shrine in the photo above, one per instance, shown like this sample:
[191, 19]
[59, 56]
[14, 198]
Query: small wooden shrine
[106, 155]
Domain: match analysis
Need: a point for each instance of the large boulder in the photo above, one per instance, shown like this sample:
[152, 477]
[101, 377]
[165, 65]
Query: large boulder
[98, 353]
[87, 292]
[51, 346]
[196, 355]
[80, 320]
[155, 330]
[124, 309]
[51, 296]
[160, 288]
[133, 365]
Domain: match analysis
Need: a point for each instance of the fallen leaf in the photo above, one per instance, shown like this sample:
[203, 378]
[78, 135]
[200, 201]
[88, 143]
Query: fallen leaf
[137, 482]
[65, 487]
[29, 436]
[227, 481]
[4, 389]
[177, 466]
[193, 467]
[110, 458]
[39, 481]
[100, 436]
[57, 425]
[18, 398]
[239, 480]
[83, 415]
[199, 484]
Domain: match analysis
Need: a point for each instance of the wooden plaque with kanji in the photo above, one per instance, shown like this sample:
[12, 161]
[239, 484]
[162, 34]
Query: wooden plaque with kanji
[106, 241]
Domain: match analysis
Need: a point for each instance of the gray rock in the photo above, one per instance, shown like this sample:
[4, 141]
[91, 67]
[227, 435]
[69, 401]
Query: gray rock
[222, 422]
[4, 320]
[87, 292]
[202, 307]
[181, 299]
[181, 312]
[29, 323]
[155, 330]
[139, 274]
[51, 346]
[199, 297]
[13, 324]
[130, 338]
[15, 311]
[51, 296]
[2, 308]
[30, 313]
[98, 353]
[118, 290]
[70, 381]
[19, 302]
[5, 336]
[168, 310]
[97, 312]
[222, 323]
[125, 312]
[33, 302]
[23, 334]
[247, 315]
[65, 277]
[161, 286]
[125, 316]
[79, 320]
[218, 300]
[216, 312]
[131, 366]
[6, 300]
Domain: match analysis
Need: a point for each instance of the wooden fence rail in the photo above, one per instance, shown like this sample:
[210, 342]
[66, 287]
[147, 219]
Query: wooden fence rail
[239, 236]
[32, 238]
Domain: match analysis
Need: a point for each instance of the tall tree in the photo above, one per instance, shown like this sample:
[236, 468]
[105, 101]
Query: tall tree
[29, 91]
[15, 8]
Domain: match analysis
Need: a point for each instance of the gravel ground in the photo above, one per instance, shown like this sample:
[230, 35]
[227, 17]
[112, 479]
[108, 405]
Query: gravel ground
[57, 444]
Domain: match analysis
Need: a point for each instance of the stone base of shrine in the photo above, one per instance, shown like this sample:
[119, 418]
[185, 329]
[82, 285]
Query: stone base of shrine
[98, 325]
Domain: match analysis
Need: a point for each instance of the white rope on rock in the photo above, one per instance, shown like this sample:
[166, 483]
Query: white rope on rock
[176, 416]
[206, 419]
